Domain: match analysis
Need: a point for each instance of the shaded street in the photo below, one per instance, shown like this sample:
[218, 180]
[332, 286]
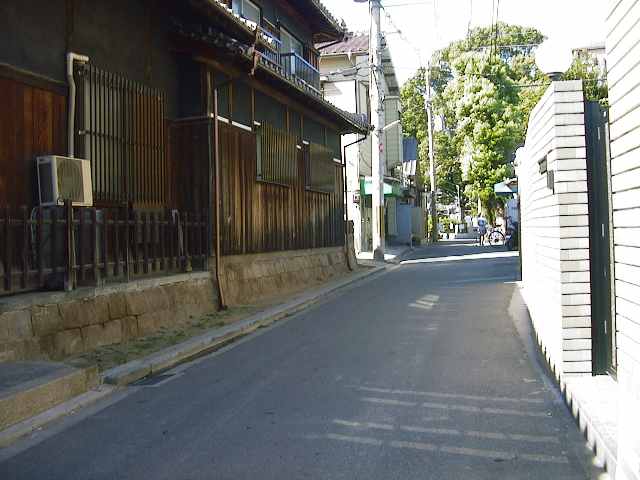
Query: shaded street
[427, 371]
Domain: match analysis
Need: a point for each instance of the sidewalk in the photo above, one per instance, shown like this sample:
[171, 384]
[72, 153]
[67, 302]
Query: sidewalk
[592, 400]
[392, 254]
[44, 411]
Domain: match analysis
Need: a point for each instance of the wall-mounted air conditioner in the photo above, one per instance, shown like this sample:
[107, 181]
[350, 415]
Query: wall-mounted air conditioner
[64, 178]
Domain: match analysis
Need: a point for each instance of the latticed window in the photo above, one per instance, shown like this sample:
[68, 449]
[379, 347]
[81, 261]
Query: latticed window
[334, 143]
[320, 168]
[276, 154]
[121, 131]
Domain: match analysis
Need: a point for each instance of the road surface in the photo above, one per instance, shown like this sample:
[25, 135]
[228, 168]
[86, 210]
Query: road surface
[426, 372]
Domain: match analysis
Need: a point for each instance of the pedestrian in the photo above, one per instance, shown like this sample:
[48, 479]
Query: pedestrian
[482, 229]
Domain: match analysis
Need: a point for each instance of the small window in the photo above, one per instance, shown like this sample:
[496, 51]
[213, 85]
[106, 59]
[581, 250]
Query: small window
[224, 104]
[248, 10]
[320, 169]
[313, 131]
[334, 144]
[276, 155]
[269, 110]
[290, 44]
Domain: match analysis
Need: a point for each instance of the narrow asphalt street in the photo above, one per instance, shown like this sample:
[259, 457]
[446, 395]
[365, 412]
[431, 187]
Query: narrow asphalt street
[425, 372]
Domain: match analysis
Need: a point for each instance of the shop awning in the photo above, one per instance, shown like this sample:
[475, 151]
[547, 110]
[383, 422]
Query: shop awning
[506, 188]
[391, 188]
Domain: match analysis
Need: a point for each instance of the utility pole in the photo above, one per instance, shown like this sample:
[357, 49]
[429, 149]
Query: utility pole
[459, 202]
[433, 211]
[377, 119]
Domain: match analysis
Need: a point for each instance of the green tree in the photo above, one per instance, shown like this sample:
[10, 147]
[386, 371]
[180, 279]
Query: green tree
[414, 118]
[585, 67]
[483, 90]
[481, 110]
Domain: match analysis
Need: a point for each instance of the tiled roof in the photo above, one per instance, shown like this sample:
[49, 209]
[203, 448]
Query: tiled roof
[239, 49]
[339, 26]
[353, 43]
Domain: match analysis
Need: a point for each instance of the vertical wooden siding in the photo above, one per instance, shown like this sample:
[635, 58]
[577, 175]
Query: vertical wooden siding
[264, 217]
[189, 164]
[32, 122]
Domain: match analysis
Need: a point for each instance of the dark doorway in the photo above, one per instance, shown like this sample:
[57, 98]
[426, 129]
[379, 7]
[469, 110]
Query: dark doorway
[600, 245]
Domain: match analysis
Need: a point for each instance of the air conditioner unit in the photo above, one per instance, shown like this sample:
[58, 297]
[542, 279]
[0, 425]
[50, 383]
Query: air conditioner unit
[64, 178]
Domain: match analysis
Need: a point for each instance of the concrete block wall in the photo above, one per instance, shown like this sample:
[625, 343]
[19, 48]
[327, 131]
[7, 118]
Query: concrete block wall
[57, 325]
[623, 52]
[247, 279]
[555, 228]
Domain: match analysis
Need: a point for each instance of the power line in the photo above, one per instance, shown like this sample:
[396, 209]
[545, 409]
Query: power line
[401, 35]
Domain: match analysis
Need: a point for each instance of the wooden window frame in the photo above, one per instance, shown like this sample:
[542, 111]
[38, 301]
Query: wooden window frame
[287, 171]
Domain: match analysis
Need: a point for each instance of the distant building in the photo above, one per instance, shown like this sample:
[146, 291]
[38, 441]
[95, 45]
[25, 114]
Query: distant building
[344, 70]
[596, 50]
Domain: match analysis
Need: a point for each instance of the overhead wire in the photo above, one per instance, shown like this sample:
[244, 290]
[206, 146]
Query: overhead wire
[401, 34]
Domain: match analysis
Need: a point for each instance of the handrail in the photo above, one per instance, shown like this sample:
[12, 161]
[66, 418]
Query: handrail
[266, 32]
[302, 70]
[302, 59]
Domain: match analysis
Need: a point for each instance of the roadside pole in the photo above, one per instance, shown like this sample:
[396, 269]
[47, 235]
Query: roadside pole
[432, 161]
[377, 145]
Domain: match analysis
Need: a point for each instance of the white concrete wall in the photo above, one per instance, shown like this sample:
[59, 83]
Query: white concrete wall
[393, 135]
[623, 52]
[555, 232]
[342, 92]
[343, 95]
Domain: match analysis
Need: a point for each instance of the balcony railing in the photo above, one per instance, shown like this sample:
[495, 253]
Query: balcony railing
[272, 56]
[298, 67]
[290, 64]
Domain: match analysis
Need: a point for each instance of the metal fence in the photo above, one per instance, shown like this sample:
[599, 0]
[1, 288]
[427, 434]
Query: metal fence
[56, 248]
[299, 68]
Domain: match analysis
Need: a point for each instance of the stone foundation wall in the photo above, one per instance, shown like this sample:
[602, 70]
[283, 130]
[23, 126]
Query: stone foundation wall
[247, 279]
[58, 325]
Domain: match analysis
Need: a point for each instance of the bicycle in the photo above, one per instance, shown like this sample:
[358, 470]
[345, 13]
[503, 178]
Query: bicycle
[496, 238]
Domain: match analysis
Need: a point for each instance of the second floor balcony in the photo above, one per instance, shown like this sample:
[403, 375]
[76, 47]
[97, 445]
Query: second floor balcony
[280, 50]
[291, 64]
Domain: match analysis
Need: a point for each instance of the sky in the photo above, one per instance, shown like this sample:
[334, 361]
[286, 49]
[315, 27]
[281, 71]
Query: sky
[427, 25]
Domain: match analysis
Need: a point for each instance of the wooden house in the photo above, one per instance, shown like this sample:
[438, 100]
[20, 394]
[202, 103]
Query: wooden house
[203, 122]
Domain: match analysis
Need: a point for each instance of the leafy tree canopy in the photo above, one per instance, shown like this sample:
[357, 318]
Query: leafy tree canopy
[481, 111]
[585, 67]
[483, 90]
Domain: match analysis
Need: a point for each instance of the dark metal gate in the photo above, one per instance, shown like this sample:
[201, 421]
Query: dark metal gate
[600, 245]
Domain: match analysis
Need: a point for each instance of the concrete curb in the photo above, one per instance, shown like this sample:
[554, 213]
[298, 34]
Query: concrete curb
[25, 427]
[30, 398]
[602, 446]
[402, 256]
[137, 369]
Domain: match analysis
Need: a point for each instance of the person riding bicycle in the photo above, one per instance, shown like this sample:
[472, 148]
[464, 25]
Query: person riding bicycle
[482, 229]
